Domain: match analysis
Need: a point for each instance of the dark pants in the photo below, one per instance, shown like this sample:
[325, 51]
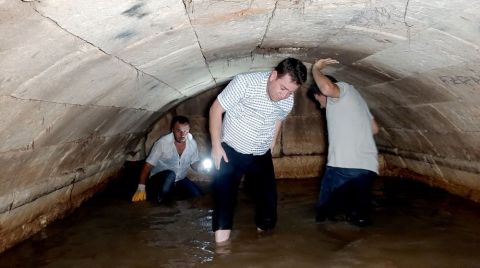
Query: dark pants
[261, 179]
[160, 187]
[345, 190]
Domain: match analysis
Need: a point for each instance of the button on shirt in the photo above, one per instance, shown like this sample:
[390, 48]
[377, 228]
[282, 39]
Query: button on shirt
[164, 156]
[250, 114]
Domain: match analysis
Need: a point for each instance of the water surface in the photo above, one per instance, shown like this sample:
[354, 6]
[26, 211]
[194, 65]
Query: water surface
[414, 226]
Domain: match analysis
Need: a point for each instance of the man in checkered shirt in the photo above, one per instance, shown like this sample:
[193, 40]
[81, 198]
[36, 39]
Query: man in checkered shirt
[255, 104]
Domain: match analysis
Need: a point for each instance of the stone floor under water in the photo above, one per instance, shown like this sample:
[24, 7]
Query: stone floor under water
[414, 226]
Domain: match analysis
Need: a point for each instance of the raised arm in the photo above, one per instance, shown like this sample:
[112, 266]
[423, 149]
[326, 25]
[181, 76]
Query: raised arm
[327, 88]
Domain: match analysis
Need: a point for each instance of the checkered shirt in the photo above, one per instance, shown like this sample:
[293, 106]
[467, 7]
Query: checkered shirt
[250, 115]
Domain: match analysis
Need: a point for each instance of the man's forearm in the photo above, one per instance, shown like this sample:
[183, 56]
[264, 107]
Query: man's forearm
[144, 173]
[327, 87]
[320, 79]
[278, 125]
[215, 124]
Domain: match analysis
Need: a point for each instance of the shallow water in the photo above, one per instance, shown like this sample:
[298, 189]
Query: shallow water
[414, 226]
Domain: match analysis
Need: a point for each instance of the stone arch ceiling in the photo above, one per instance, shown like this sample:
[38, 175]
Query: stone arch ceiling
[81, 81]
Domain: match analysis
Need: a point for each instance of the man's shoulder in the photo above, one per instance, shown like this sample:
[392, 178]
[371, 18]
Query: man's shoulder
[253, 76]
[165, 138]
[343, 84]
[345, 87]
[287, 104]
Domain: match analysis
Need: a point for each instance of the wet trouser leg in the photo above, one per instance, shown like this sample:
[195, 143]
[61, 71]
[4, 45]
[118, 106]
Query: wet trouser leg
[188, 188]
[160, 186]
[356, 183]
[361, 198]
[225, 185]
[325, 206]
[261, 178]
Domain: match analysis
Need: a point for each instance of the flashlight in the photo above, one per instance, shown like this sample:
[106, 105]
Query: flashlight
[207, 164]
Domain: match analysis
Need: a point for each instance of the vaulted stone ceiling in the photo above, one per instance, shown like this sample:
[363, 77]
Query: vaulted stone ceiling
[81, 82]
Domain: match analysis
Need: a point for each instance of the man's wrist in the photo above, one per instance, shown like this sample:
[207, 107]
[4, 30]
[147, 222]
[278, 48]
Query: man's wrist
[141, 188]
[216, 145]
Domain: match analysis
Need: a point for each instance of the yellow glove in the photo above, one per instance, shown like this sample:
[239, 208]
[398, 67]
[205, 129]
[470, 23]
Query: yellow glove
[140, 194]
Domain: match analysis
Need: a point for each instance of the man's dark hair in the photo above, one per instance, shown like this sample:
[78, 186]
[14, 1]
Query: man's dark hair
[295, 68]
[180, 119]
[314, 90]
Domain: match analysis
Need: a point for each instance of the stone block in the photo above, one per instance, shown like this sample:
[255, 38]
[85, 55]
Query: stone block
[380, 96]
[130, 24]
[42, 46]
[33, 124]
[39, 171]
[303, 135]
[86, 187]
[426, 46]
[23, 121]
[84, 79]
[456, 145]
[409, 91]
[80, 123]
[427, 119]
[408, 140]
[287, 27]
[463, 115]
[24, 221]
[298, 167]
[189, 76]
[303, 105]
[224, 70]
[460, 182]
[391, 161]
[26, 167]
[198, 106]
[243, 22]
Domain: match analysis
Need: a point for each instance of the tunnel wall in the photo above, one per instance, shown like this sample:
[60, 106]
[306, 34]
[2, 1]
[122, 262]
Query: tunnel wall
[81, 82]
[430, 127]
[71, 115]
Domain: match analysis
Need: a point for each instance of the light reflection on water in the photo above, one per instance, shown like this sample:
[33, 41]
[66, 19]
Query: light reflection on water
[414, 226]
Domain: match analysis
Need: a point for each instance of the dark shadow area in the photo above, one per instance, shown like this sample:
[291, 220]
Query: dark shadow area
[125, 184]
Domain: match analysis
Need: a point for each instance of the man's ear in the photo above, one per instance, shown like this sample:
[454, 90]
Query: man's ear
[273, 76]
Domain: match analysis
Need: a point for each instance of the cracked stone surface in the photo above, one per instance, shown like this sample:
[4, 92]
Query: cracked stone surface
[86, 85]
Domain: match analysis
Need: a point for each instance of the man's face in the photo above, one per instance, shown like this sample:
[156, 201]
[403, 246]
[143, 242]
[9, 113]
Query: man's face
[180, 132]
[280, 88]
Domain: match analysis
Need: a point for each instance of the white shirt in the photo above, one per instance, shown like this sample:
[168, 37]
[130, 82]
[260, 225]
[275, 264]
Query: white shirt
[350, 136]
[250, 114]
[164, 156]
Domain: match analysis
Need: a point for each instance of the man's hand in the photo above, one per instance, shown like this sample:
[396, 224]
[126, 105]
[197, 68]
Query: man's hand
[217, 154]
[140, 194]
[322, 99]
[321, 63]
